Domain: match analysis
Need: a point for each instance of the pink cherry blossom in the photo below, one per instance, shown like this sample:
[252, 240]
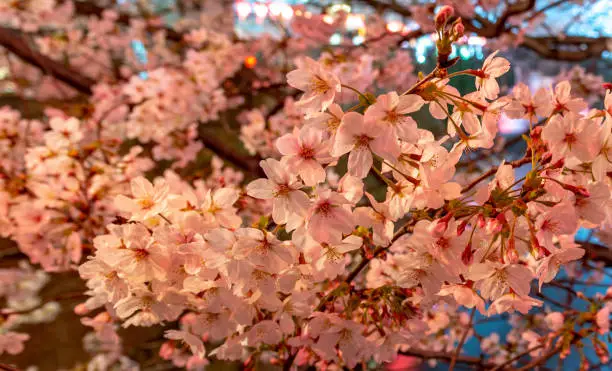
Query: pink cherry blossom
[390, 113]
[281, 186]
[361, 139]
[318, 84]
[492, 67]
[303, 153]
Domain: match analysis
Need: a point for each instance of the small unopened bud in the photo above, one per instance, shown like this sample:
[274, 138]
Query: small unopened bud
[81, 309]
[467, 256]
[494, 226]
[442, 224]
[458, 30]
[443, 15]
[577, 190]
[584, 364]
[440, 227]
[511, 252]
[480, 220]
[601, 351]
[536, 249]
[461, 228]
[559, 164]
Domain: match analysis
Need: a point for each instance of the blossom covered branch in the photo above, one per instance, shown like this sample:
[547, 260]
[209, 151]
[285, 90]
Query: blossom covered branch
[350, 236]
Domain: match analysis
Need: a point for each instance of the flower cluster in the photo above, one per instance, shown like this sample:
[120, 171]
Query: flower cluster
[58, 183]
[355, 232]
[333, 272]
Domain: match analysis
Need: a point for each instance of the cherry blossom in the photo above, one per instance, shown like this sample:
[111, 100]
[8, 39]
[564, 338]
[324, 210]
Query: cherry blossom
[278, 201]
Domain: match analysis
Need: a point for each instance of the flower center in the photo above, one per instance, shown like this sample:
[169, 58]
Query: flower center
[307, 153]
[282, 190]
[146, 203]
[140, 254]
[324, 208]
[362, 140]
[570, 138]
[392, 117]
[442, 243]
[319, 86]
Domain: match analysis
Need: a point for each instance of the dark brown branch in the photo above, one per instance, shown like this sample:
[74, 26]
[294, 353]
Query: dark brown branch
[248, 164]
[570, 48]
[16, 43]
[597, 253]
[541, 360]
[512, 10]
[457, 353]
[423, 354]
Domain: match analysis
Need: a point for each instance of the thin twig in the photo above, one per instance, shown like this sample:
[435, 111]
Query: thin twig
[462, 341]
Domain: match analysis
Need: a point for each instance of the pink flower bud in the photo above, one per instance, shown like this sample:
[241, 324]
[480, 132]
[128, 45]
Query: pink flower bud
[441, 225]
[81, 309]
[459, 29]
[555, 320]
[443, 15]
[461, 228]
[578, 190]
[511, 252]
[467, 256]
[559, 164]
[166, 350]
[480, 220]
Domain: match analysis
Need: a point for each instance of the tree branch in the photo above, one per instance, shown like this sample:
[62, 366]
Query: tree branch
[423, 354]
[571, 48]
[15, 42]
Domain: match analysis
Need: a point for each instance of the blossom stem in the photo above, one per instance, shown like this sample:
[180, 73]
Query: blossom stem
[453, 361]
[462, 134]
[382, 177]
[363, 96]
[459, 73]
[164, 218]
[407, 177]
[453, 96]
[516, 358]
[418, 84]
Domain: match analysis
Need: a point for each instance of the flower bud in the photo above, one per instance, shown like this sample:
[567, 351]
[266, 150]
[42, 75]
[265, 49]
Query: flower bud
[480, 220]
[467, 256]
[559, 164]
[461, 228]
[81, 309]
[458, 30]
[443, 15]
[511, 252]
[577, 190]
